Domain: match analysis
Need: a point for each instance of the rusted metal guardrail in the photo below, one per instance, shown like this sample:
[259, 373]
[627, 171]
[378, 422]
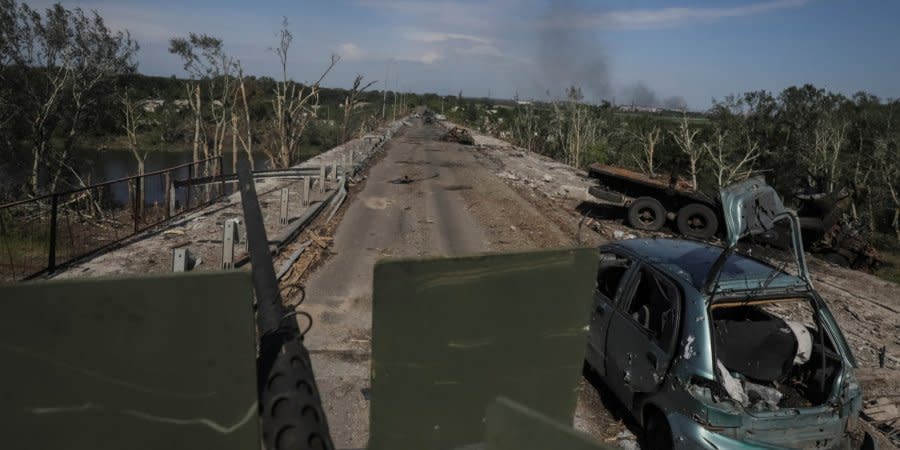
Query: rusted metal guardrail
[40, 234]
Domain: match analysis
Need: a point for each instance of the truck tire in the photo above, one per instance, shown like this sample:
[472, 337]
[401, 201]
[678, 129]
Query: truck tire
[646, 213]
[657, 432]
[697, 220]
[291, 408]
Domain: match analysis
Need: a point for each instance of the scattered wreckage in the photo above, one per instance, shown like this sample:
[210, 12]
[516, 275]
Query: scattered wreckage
[709, 347]
[824, 218]
[829, 230]
[460, 135]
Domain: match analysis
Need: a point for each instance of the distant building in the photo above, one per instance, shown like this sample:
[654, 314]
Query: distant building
[637, 108]
[523, 102]
[150, 105]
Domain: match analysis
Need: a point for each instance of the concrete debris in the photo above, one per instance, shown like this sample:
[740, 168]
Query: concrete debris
[731, 384]
[619, 235]
[507, 175]
[573, 192]
[547, 178]
[627, 440]
[759, 395]
[882, 410]
[457, 134]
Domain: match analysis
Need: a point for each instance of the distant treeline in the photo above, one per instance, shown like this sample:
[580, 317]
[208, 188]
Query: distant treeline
[801, 139]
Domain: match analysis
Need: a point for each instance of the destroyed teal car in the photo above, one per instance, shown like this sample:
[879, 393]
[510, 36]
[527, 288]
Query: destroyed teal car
[723, 347]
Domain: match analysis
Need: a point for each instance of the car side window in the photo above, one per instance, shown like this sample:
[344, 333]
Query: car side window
[611, 274]
[654, 306]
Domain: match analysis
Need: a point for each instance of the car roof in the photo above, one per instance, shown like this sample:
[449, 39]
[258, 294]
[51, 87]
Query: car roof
[692, 260]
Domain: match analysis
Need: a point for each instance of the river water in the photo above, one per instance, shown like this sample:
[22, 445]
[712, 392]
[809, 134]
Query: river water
[98, 166]
[106, 165]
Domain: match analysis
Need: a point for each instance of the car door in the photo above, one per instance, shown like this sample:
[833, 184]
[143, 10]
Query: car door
[613, 274]
[641, 334]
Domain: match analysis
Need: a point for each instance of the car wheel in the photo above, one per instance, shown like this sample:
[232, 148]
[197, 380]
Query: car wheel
[646, 213]
[657, 433]
[697, 221]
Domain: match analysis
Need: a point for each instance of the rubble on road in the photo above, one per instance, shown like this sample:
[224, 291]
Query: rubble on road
[457, 134]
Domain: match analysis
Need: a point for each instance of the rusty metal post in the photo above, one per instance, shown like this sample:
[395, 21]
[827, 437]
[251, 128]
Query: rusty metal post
[190, 183]
[222, 176]
[169, 197]
[51, 252]
[137, 204]
[285, 193]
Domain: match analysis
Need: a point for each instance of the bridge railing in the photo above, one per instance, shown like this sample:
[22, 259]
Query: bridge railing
[38, 235]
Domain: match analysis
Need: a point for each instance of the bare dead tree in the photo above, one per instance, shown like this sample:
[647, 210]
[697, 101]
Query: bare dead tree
[205, 60]
[524, 126]
[133, 116]
[246, 138]
[350, 103]
[829, 138]
[574, 128]
[731, 166]
[648, 139]
[887, 160]
[685, 137]
[294, 105]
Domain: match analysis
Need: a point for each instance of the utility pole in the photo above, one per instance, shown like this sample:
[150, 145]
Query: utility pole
[396, 86]
[387, 68]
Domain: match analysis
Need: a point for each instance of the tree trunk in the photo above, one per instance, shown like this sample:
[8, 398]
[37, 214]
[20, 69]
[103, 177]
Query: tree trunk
[234, 150]
[36, 155]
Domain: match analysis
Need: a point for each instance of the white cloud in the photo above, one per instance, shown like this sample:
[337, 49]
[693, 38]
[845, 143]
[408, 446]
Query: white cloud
[445, 12]
[482, 50]
[350, 52]
[667, 17]
[432, 37]
[428, 57]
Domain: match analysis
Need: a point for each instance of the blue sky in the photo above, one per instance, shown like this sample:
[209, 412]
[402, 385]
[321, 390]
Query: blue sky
[623, 50]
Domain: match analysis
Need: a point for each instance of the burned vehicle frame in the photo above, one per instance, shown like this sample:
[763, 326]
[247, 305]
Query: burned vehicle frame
[686, 336]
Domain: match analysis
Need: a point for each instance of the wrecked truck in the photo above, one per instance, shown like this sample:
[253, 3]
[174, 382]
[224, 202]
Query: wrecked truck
[712, 347]
[652, 201]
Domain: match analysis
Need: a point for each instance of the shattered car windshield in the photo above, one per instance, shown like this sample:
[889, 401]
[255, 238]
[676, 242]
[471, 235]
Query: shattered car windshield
[693, 260]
